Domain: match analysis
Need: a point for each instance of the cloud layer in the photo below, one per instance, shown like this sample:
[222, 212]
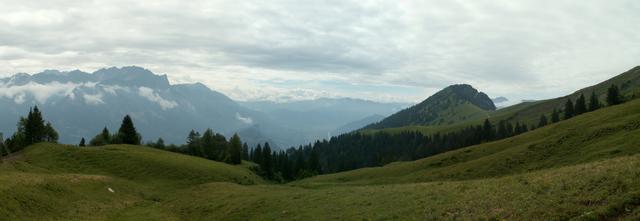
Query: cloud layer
[152, 96]
[380, 50]
[41, 92]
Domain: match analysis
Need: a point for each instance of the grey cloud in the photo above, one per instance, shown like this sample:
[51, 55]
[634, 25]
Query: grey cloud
[430, 44]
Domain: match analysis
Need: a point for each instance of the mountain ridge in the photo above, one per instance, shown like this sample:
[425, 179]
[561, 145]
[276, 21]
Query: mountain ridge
[81, 103]
[453, 103]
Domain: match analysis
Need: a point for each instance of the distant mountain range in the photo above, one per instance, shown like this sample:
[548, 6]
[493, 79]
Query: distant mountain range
[452, 104]
[80, 104]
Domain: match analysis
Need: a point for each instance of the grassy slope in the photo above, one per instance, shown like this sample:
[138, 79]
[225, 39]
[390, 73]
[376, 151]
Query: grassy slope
[601, 189]
[135, 163]
[50, 181]
[529, 112]
[584, 168]
[590, 191]
[607, 133]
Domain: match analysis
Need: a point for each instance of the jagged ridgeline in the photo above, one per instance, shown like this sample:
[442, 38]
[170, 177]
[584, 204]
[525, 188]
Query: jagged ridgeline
[452, 104]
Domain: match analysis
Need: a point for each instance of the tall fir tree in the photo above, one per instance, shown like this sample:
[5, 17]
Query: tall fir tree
[568, 109]
[82, 143]
[159, 144]
[594, 102]
[314, 163]
[51, 135]
[106, 135]
[518, 129]
[193, 143]
[487, 130]
[127, 133]
[509, 129]
[581, 106]
[257, 155]
[208, 146]
[3, 148]
[555, 116]
[35, 130]
[502, 130]
[267, 161]
[613, 95]
[235, 149]
[245, 152]
[543, 121]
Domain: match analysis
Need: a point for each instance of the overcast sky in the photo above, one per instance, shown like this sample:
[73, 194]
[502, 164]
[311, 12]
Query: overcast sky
[379, 50]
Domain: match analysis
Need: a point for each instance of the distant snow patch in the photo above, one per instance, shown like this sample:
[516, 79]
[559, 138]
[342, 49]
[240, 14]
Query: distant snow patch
[154, 97]
[246, 120]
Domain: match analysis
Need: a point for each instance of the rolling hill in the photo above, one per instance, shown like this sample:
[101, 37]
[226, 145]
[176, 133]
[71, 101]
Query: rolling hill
[58, 182]
[452, 104]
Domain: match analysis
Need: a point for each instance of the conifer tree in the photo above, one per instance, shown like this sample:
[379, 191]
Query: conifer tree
[82, 143]
[299, 165]
[106, 135]
[613, 95]
[581, 106]
[568, 109]
[103, 138]
[193, 143]
[543, 121]
[35, 128]
[267, 162]
[502, 130]
[509, 129]
[245, 152]
[487, 130]
[127, 133]
[235, 149]
[594, 103]
[518, 129]
[257, 155]
[555, 116]
[159, 143]
[287, 172]
[50, 134]
[3, 148]
[314, 164]
[208, 146]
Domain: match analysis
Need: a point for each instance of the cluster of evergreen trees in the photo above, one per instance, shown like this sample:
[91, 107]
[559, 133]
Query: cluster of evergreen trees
[30, 130]
[286, 165]
[580, 107]
[357, 150]
[209, 145]
[127, 134]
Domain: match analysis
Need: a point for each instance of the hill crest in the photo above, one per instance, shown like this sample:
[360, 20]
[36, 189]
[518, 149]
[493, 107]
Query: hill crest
[451, 104]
